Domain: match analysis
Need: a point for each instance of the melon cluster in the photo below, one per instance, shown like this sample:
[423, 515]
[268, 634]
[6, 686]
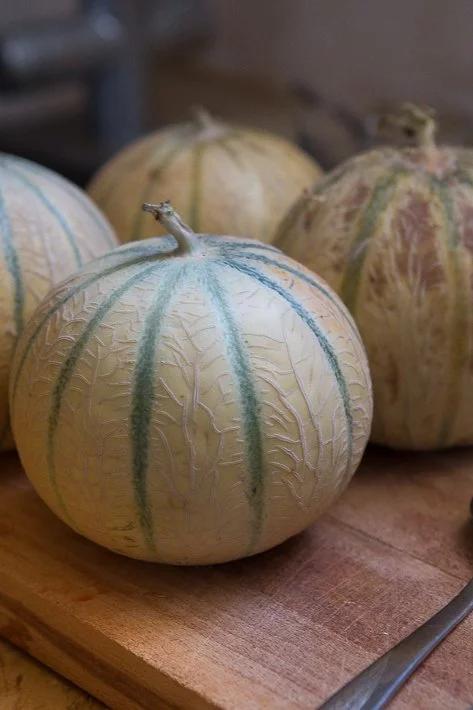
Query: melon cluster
[189, 398]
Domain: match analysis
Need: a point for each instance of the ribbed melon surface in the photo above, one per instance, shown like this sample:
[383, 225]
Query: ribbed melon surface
[191, 409]
[48, 229]
[393, 235]
[222, 179]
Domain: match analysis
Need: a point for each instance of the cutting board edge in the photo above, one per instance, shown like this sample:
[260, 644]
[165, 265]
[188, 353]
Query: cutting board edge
[29, 629]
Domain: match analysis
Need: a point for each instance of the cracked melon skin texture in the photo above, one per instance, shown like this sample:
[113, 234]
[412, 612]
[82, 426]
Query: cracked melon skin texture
[391, 231]
[48, 229]
[209, 170]
[191, 403]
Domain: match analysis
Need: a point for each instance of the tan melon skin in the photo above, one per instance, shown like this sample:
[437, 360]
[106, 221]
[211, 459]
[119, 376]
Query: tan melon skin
[209, 172]
[30, 218]
[197, 480]
[393, 235]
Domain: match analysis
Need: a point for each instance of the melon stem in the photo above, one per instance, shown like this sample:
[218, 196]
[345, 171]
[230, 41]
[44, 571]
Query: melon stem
[426, 133]
[203, 118]
[166, 215]
[415, 122]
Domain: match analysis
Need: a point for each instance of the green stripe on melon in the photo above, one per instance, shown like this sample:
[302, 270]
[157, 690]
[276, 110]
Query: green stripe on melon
[142, 252]
[316, 330]
[70, 364]
[234, 245]
[12, 164]
[249, 400]
[13, 266]
[54, 210]
[328, 293]
[382, 195]
[145, 376]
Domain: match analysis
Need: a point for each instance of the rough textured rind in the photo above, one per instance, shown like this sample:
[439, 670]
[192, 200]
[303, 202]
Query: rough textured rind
[391, 232]
[222, 179]
[48, 229]
[191, 409]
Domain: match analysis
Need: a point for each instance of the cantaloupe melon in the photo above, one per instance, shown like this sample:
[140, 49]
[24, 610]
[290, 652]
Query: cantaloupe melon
[190, 399]
[222, 178]
[48, 229]
[391, 230]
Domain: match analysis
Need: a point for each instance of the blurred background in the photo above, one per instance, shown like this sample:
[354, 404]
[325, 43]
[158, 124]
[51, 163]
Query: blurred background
[81, 78]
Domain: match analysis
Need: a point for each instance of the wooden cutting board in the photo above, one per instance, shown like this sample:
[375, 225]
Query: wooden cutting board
[280, 631]
[26, 684]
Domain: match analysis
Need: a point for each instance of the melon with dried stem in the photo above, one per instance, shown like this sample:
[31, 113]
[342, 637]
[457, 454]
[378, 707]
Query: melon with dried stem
[391, 230]
[191, 399]
[223, 179]
[48, 229]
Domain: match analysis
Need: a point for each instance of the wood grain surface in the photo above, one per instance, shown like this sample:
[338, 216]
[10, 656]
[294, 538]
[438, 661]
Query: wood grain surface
[25, 684]
[282, 630]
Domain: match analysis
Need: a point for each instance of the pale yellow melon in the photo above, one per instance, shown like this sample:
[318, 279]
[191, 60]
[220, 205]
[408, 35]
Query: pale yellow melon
[192, 399]
[391, 230]
[223, 179]
[48, 229]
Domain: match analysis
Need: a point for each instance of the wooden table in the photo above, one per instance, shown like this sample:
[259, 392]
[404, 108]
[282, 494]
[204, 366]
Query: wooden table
[280, 631]
[25, 684]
